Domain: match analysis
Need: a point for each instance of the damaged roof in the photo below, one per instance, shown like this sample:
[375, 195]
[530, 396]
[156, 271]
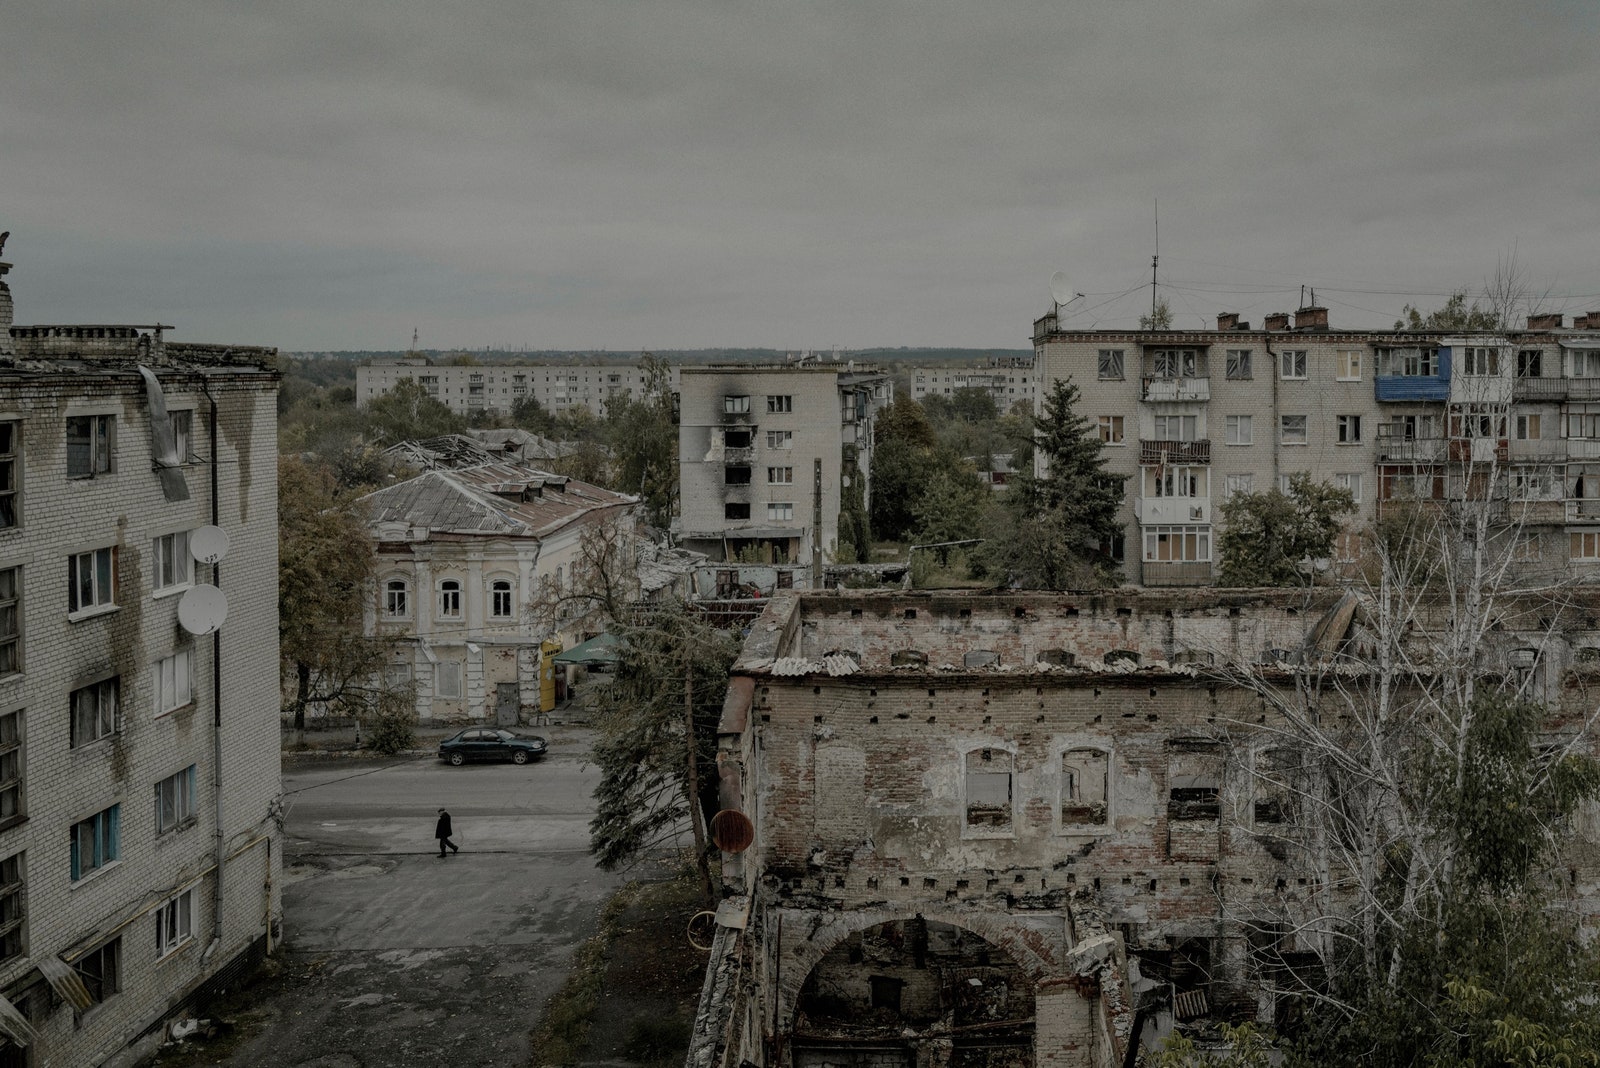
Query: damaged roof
[495, 499]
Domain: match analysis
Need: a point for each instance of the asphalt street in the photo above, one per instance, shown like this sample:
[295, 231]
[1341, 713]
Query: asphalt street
[395, 957]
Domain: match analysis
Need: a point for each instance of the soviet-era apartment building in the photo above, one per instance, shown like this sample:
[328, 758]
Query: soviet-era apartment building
[1008, 381]
[1191, 417]
[464, 555]
[139, 783]
[766, 455]
[1028, 829]
[500, 387]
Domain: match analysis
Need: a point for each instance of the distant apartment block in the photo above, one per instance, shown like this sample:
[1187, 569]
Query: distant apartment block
[1007, 382]
[1192, 417]
[500, 387]
[140, 859]
[764, 455]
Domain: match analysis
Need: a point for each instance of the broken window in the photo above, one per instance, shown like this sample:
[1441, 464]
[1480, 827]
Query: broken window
[1277, 784]
[736, 439]
[988, 787]
[1194, 780]
[736, 475]
[1084, 781]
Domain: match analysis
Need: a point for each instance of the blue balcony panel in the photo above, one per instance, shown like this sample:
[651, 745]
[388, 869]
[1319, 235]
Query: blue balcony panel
[1413, 387]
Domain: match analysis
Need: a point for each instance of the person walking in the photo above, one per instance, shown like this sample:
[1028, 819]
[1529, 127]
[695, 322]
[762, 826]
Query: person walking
[441, 831]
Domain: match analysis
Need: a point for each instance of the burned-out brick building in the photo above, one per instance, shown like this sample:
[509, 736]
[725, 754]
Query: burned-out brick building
[1023, 829]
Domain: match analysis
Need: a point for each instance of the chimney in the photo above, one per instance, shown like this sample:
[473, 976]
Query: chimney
[1586, 322]
[1547, 321]
[1227, 320]
[1311, 319]
[1278, 321]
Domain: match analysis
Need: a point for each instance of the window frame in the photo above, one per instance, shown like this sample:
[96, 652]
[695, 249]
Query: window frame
[497, 589]
[780, 511]
[13, 768]
[104, 830]
[1199, 535]
[99, 445]
[1064, 784]
[164, 555]
[1112, 429]
[1530, 363]
[11, 620]
[13, 906]
[780, 439]
[181, 788]
[174, 923]
[171, 694]
[1004, 826]
[780, 403]
[182, 420]
[1232, 486]
[1293, 364]
[780, 476]
[1238, 430]
[396, 598]
[1111, 365]
[1347, 429]
[735, 404]
[1480, 361]
[1350, 480]
[10, 474]
[102, 564]
[449, 670]
[1347, 365]
[1527, 427]
[449, 598]
[1286, 435]
[107, 711]
[1238, 365]
[105, 981]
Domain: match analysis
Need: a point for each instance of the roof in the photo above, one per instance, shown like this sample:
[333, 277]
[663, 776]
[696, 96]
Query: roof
[497, 500]
[601, 649]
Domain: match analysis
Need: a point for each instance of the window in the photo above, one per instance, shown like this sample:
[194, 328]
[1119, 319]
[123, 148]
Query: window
[174, 923]
[450, 599]
[736, 475]
[1347, 363]
[1581, 424]
[12, 903]
[1174, 363]
[1167, 481]
[740, 439]
[171, 561]
[1292, 363]
[1177, 544]
[1528, 428]
[1350, 480]
[1292, 429]
[1236, 484]
[1480, 361]
[1239, 364]
[780, 511]
[90, 439]
[1411, 428]
[183, 434]
[1110, 365]
[500, 599]
[101, 970]
[90, 585]
[1530, 363]
[174, 679]
[732, 405]
[1111, 429]
[1536, 484]
[988, 790]
[1348, 428]
[1475, 421]
[10, 458]
[396, 603]
[780, 476]
[94, 712]
[1238, 429]
[95, 842]
[1408, 363]
[736, 510]
[175, 797]
[1277, 786]
[1176, 427]
[10, 620]
[447, 679]
[780, 439]
[1194, 780]
[1084, 781]
[779, 404]
[1585, 544]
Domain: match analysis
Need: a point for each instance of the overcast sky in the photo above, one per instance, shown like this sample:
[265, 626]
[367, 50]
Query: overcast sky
[330, 174]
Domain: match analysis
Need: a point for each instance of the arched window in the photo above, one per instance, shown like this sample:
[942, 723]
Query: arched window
[396, 599]
[500, 599]
[449, 599]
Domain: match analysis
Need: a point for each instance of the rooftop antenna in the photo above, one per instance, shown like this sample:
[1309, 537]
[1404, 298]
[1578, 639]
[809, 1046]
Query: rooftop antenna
[1155, 259]
[414, 339]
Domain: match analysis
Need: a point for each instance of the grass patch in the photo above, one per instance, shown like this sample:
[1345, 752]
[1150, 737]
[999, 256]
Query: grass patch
[562, 1038]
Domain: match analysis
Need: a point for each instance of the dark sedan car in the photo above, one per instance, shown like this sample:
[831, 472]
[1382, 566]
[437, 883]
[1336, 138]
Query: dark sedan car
[489, 743]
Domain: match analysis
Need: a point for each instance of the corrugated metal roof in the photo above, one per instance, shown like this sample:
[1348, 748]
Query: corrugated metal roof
[489, 500]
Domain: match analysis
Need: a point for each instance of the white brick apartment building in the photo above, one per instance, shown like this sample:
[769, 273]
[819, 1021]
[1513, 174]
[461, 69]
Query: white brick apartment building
[763, 455]
[139, 852]
[500, 387]
[1008, 382]
[1191, 417]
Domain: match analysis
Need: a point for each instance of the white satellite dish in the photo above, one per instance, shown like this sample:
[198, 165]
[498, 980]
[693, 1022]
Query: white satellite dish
[1059, 289]
[202, 609]
[208, 544]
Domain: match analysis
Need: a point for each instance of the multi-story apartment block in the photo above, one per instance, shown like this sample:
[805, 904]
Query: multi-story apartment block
[500, 387]
[1008, 382]
[764, 455]
[139, 754]
[462, 555]
[1192, 417]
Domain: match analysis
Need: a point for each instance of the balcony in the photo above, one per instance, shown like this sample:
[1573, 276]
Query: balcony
[1410, 450]
[1583, 389]
[1177, 573]
[1162, 453]
[1539, 389]
[1583, 510]
[1583, 448]
[1172, 511]
[1538, 450]
[1176, 389]
[1412, 387]
[1478, 451]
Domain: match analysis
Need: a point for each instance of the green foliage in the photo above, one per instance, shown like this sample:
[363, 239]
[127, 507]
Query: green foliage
[1456, 314]
[644, 453]
[969, 404]
[392, 730]
[1056, 532]
[1241, 1046]
[952, 502]
[1266, 536]
[1160, 317]
[905, 420]
[855, 531]
[407, 412]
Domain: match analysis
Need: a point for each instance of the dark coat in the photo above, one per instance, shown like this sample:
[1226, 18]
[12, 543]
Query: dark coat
[443, 828]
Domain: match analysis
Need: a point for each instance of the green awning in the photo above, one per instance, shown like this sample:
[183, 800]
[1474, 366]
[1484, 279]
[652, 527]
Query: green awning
[601, 649]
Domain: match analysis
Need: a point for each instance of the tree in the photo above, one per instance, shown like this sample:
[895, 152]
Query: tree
[657, 736]
[855, 530]
[1057, 531]
[644, 452]
[325, 570]
[407, 412]
[1456, 314]
[1276, 538]
[902, 466]
[952, 503]
[1160, 317]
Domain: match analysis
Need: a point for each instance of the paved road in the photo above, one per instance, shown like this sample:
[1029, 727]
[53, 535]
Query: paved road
[398, 958]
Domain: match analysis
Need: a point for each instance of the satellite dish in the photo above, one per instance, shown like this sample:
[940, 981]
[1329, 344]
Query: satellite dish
[208, 544]
[1059, 289]
[202, 609]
